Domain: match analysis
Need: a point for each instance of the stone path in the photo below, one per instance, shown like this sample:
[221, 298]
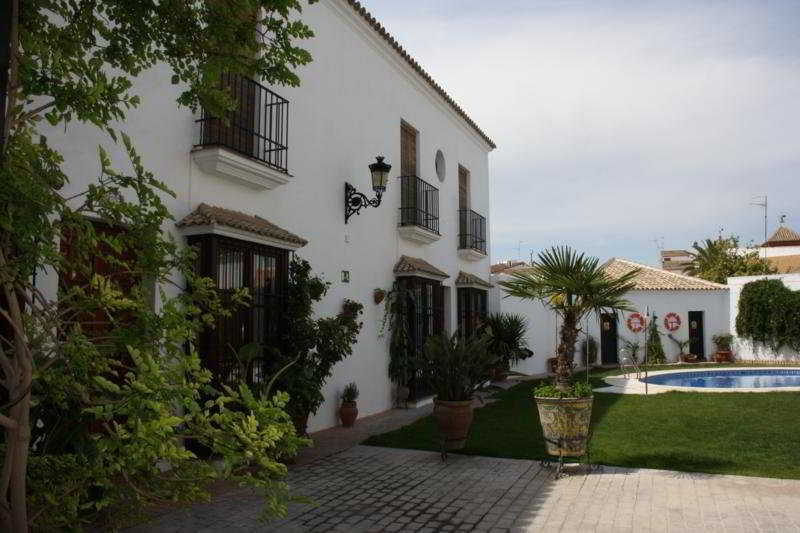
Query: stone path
[383, 489]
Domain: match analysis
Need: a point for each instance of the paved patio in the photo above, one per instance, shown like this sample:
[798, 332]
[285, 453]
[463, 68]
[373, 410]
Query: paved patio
[382, 489]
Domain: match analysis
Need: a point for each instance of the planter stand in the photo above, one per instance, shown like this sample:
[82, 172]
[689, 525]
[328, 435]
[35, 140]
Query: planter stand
[559, 464]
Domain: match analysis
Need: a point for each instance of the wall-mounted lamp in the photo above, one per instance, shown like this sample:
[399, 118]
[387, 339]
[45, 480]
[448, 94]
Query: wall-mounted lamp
[354, 201]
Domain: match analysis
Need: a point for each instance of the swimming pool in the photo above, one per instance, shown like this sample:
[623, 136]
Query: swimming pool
[753, 378]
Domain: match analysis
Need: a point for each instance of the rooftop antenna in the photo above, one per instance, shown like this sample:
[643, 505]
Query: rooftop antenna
[761, 201]
[659, 242]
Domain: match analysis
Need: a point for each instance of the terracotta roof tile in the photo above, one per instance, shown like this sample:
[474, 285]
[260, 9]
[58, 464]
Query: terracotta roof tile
[465, 278]
[415, 265]
[378, 27]
[206, 215]
[656, 279]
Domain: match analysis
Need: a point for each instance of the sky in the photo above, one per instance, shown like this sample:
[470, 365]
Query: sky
[622, 127]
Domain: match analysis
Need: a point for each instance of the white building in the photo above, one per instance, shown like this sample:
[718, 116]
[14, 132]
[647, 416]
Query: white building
[697, 309]
[273, 181]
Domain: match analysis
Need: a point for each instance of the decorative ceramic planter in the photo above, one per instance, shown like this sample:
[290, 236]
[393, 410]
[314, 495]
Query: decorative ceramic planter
[454, 420]
[348, 413]
[565, 424]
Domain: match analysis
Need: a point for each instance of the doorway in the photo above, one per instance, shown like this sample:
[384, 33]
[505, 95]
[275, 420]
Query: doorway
[609, 349]
[696, 334]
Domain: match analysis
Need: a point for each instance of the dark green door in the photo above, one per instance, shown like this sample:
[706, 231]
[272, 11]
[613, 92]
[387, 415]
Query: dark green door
[696, 335]
[609, 352]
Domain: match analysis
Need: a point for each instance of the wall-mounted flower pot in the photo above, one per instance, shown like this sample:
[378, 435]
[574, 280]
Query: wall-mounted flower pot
[454, 420]
[378, 295]
[565, 424]
[348, 413]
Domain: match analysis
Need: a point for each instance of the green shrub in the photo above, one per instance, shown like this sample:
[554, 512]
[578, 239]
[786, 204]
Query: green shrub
[578, 389]
[508, 337]
[455, 366]
[654, 348]
[769, 313]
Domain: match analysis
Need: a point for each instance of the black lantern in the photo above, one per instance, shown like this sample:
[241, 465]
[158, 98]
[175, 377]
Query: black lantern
[354, 201]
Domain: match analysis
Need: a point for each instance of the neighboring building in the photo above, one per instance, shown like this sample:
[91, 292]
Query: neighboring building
[676, 260]
[781, 250]
[506, 265]
[253, 191]
[701, 308]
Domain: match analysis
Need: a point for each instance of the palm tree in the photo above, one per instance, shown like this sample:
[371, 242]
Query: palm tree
[573, 286]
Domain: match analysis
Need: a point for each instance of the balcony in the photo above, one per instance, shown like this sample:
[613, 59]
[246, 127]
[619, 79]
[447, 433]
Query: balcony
[250, 144]
[419, 210]
[471, 235]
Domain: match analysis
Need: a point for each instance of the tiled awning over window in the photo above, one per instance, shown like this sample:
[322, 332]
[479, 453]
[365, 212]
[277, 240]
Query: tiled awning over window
[414, 266]
[465, 279]
[209, 215]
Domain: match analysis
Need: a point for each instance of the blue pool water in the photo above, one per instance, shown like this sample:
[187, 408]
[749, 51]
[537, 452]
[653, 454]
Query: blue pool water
[730, 379]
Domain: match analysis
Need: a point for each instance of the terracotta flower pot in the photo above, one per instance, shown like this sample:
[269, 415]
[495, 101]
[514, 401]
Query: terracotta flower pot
[348, 413]
[565, 424]
[454, 420]
[300, 423]
[723, 356]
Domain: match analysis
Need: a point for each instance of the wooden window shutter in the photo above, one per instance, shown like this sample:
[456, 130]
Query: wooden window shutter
[463, 188]
[408, 150]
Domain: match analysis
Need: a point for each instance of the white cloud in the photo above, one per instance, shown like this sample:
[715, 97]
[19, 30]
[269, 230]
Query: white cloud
[618, 124]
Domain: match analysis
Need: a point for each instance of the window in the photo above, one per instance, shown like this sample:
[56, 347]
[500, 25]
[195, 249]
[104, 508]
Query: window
[256, 127]
[471, 310]
[463, 188]
[264, 271]
[425, 318]
[408, 150]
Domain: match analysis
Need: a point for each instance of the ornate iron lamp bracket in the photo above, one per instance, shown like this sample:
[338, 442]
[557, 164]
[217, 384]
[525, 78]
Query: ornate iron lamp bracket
[354, 201]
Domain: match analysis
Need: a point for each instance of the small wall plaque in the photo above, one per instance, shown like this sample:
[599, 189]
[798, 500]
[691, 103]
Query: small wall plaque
[345, 276]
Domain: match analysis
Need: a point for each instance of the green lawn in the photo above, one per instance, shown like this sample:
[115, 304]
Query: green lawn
[755, 434]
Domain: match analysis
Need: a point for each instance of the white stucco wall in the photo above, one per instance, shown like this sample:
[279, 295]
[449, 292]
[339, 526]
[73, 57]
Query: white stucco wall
[543, 324]
[348, 110]
[745, 349]
[713, 304]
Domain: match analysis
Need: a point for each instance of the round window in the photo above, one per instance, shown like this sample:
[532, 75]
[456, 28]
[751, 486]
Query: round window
[440, 167]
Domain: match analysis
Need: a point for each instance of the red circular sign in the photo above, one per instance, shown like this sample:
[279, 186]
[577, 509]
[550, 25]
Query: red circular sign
[636, 322]
[672, 321]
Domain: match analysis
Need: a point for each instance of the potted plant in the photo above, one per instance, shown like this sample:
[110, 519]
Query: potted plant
[723, 342]
[589, 351]
[573, 286]
[348, 412]
[632, 347]
[508, 342]
[453, 367]
[683, 355]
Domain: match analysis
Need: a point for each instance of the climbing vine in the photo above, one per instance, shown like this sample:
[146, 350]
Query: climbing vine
[769, 313]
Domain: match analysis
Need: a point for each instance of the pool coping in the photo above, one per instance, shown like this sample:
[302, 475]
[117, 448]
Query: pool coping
[633, 385]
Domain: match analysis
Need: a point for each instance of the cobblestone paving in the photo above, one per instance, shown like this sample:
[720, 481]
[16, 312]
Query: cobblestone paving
[382, 489]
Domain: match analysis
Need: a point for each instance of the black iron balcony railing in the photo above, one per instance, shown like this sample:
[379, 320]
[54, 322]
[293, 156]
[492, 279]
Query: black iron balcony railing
[257, 127]
[419, 203]
[471, 230]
